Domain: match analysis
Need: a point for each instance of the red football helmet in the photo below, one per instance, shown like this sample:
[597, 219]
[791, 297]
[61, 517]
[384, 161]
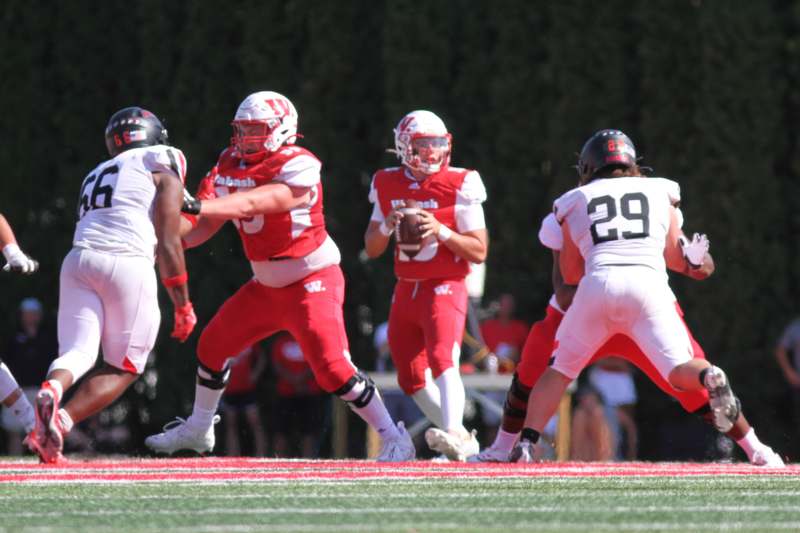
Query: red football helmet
[422, 142]
[264, 122]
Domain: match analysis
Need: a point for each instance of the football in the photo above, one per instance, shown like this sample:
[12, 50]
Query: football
[409, 236]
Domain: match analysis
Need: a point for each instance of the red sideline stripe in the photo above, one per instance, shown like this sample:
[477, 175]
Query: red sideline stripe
[241, 469]
[275, 464]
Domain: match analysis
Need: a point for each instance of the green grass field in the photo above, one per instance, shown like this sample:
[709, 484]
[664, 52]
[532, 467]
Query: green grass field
[579, 504]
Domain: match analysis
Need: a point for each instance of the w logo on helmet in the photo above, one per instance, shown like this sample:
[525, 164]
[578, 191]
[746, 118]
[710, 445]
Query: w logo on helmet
[279, 107]
[405, 123]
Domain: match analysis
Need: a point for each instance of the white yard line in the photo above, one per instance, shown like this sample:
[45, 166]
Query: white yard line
[460, 526]
[428, 510]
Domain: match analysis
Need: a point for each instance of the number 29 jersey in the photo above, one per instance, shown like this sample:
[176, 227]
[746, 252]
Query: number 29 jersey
[620, 221]
[115, 206]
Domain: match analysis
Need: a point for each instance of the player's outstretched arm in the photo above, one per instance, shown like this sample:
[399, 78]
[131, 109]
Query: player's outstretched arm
[16, 259]
[197, 230]
[169, 252]
[264, 200]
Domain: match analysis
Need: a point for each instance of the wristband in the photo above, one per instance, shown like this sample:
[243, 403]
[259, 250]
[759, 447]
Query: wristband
[192, 219]
[444, 233]
[384, 229]
[10, 250]
[176, 281]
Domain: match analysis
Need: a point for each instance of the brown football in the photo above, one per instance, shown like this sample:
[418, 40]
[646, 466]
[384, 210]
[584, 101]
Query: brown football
[409, 236]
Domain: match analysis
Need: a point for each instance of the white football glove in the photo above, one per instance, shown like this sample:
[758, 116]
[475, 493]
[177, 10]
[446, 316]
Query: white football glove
[695, 250]
[18, 261]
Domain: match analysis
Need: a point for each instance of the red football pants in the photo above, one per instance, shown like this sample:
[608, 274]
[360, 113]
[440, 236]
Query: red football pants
[539, 347]
[310, 309]
[426, 324]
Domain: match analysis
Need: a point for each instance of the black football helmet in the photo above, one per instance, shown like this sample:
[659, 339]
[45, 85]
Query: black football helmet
[606, 148]
[133, 127]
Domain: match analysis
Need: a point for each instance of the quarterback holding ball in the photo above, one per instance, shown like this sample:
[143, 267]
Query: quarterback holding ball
[435, 212]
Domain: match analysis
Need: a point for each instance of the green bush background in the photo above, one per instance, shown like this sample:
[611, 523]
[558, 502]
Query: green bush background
[707, 89]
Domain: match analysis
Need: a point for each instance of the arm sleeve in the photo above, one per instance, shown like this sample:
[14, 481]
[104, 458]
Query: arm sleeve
[468, 208]
[377, 213]
[565, 204]
[550, 233]
[673, 190]
[300, 171]
[166, 159]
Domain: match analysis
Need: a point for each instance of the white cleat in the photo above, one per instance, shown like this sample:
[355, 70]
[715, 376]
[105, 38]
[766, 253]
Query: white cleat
[767, 458]
[398, 449]
[180, 435]
[724, 405]
[454, 447]
[490, 455]
[523, 452]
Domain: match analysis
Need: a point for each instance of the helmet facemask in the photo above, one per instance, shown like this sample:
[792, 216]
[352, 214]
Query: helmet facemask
[264, 122]
[422, 143]
[252, 139]
[428, 154]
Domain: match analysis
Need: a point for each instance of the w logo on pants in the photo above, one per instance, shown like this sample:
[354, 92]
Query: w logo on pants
[314, 286]
[442, 290]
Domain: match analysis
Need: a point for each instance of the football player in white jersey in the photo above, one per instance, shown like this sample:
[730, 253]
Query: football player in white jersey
[621, 232]
[11, 395]
[128, 218]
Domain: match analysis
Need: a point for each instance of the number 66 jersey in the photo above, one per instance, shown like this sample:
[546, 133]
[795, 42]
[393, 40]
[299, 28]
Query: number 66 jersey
[620, 221]
[115, 206]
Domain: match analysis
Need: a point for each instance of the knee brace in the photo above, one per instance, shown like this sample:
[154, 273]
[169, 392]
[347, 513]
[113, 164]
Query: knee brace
[213, 379]
[358, 391]
[516, 405]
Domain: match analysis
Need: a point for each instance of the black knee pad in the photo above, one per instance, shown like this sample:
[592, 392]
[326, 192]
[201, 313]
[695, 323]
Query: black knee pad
[366, 395]
[212, 379]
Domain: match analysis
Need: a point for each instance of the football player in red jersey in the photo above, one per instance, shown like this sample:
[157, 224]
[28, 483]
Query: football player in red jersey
[271, 190]
[426, 321]
[11, 396]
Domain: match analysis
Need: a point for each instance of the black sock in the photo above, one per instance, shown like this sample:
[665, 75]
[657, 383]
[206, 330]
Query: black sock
[530, 435]
[703, 376]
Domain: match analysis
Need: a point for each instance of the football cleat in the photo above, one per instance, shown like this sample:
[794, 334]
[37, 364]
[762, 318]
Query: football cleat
[490, 455]
[523, 452]
[724, 405]
[47, 438]
[766, 457]
[398, 449]
[454, 447]
[180, 435]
